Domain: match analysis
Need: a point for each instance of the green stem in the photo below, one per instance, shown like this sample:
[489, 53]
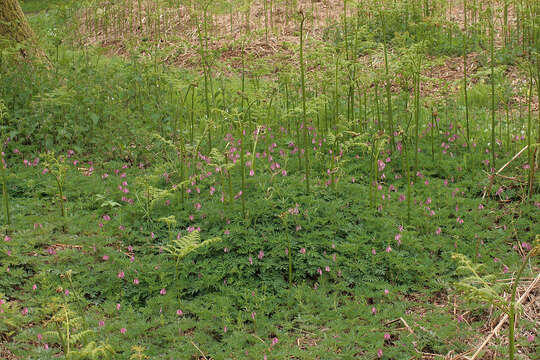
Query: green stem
[307, 144]
[512, 309]
[388, 85]
[492, 63]
[5, 194]
[465, 70]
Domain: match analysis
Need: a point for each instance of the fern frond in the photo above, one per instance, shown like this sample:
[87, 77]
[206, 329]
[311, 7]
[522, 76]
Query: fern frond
[188, 243]
[80, 336]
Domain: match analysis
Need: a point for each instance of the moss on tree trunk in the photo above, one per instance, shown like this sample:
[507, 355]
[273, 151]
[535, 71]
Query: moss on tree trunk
[13, 24]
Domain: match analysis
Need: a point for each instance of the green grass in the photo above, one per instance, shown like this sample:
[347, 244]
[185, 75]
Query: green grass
[368, 279]
[35, 6]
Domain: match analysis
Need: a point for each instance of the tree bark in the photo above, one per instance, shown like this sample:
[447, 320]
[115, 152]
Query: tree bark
[13, 24]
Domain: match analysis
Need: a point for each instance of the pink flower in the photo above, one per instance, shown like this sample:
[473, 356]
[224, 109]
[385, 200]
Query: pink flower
[198, 206]
[120, 275]
[373, 310]
[438, 231]
[250, 259]
[106, 217]
[388, 249]
[118, 306]
[386, 336]
[123, 330]
[379, 353]
[319, 271]
[274, 341]
[39, 337]
[7, 238]
[24, 311]
[227, 232]
[136, 281]
[327, 268]
[530, 338]
[101, 323]
[302, 250]
[224, 329]
[66, 292]
[261, 254]
[253, 313]
[179, 312]
[105, 257]
[163, 291]
[34, 287]
[386, 291]
[373, 251]
[251, 172]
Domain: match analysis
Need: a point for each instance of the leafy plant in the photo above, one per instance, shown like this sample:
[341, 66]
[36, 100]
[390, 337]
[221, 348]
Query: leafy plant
[57, 167]
[185, 245]
[73, 339]
[482, 287]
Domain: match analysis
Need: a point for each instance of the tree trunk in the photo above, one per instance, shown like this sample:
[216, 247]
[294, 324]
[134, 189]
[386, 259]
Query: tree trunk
[13, 24]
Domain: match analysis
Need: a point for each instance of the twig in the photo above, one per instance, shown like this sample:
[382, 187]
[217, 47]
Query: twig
[406, 325]
[391, 321]
[531, 286]
[491, 177]
[258, 338]
[196, 347]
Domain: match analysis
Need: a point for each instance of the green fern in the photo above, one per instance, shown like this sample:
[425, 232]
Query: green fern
[478, 286]
[138, 353]
[92, 351]
[185, 245]
[74, 342]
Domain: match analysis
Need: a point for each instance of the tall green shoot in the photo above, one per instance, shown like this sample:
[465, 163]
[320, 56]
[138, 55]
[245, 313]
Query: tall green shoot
[307, 144]
[492, 66]
[388, 83]
[465, 38]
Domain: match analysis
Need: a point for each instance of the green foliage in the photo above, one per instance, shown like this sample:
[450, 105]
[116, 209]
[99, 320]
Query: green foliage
[150, 160]
[478, 286]
[68, 331]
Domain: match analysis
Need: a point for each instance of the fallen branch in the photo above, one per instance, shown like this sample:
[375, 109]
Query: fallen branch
[492, 176]
[406, 325]
[196, 347]
[531, 286]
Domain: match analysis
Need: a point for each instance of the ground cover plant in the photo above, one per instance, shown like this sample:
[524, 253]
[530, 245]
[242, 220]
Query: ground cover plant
[271, 179]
